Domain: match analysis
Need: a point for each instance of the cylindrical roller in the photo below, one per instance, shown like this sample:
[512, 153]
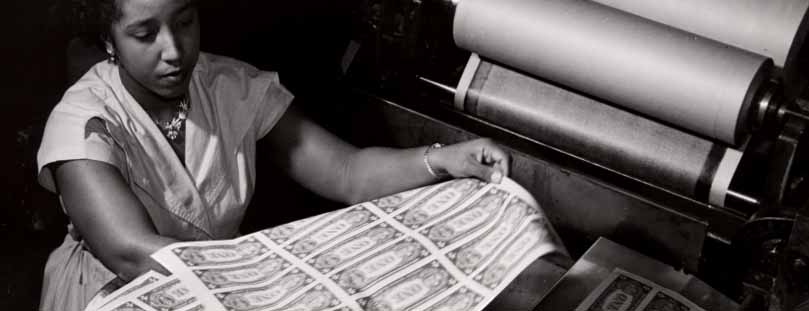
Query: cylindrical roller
[773, 28]
[606, 135]
[698, 84]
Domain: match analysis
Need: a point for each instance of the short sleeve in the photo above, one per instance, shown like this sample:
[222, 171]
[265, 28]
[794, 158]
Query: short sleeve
[74, 133]
[276, 101]
[247, 92]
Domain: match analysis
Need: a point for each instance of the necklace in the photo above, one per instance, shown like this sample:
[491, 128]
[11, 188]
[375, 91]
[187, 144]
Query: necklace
[171, 129]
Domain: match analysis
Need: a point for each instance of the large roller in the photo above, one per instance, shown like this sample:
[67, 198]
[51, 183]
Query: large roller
[609, 136]
[680, 78]
[773, 28]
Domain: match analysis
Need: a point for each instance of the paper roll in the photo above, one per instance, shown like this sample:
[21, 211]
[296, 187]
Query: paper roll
[668, 74]
[773, 28]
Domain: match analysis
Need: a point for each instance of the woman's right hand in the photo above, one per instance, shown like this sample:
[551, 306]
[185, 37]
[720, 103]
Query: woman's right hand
[481, 158]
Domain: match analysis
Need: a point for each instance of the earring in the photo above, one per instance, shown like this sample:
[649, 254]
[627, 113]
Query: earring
[111, 57]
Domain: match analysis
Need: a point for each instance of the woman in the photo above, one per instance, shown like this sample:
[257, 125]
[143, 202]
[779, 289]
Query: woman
[157, 144]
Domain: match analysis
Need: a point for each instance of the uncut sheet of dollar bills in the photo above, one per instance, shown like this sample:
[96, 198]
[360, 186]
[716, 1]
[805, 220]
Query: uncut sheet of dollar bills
[451, 246]
[623, 290]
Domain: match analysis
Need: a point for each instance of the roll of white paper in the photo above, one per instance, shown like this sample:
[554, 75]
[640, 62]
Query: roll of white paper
[665, 73]
[773, 28]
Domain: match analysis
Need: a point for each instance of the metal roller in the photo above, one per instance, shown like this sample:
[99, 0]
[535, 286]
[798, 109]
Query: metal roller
[668, 74]
[773, 28]
[609, 136]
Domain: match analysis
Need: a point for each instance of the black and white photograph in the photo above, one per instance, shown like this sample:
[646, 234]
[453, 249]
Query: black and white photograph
[405, 155]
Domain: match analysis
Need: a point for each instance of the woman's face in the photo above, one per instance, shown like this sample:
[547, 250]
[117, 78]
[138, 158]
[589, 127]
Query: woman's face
[157, 45]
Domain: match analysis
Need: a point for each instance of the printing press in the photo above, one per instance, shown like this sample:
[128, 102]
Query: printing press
[674, 127]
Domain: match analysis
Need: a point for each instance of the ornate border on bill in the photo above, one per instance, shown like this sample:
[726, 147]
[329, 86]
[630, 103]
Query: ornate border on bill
[219, 254]
[281, 234]
[142, 281]
[171, 296]
[462, 299]
[525, 242]
[445, 199]
[354, 247]
[264, 270]
[354, 219]
[481, 212]
[410, 290]
[393, 203]
[316, 299]
[471, 255]
[265, 297]
[361, 275]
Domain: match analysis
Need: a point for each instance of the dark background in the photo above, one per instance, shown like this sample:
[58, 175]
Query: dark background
[303, 40]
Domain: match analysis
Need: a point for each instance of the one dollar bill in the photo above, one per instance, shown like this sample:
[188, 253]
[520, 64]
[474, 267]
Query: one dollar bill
[624, 291]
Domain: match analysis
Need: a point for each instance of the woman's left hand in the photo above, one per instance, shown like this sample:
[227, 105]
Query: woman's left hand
[480, 158]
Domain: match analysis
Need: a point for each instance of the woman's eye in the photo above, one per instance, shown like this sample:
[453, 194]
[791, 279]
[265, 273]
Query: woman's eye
[143, 36]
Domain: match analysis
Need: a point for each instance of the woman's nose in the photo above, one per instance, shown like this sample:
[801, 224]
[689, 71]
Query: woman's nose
[171, 50]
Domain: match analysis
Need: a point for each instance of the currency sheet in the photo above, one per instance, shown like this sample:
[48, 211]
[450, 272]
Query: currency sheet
[624, 291]
[450, 246]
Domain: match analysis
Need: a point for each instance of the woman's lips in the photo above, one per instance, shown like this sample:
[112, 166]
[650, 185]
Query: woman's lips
[173, 77]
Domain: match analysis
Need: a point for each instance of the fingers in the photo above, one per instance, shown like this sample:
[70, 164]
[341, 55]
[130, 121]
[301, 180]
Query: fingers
[478, 169]
[480, 158]
[496, 177]
[505, 166]
[502, 161]
[495, 156]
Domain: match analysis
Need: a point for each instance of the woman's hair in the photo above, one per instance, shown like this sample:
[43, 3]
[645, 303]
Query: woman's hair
[90, 20]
